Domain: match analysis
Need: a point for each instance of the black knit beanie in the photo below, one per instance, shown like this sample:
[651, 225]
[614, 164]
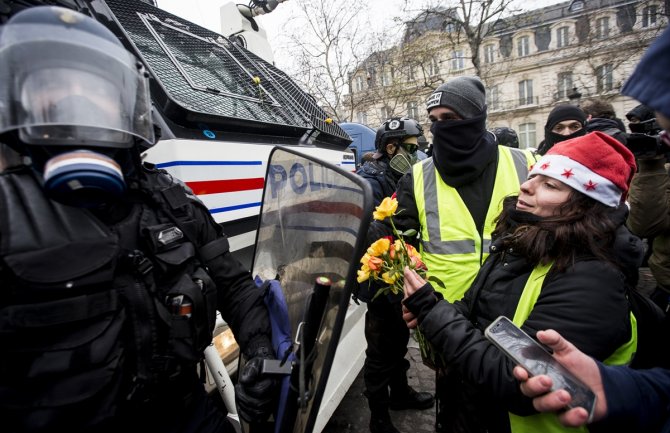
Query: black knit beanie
[642, 112]
[466, 96]
[565, 112]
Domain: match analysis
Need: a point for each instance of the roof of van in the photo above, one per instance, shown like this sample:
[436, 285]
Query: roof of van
[356, 127]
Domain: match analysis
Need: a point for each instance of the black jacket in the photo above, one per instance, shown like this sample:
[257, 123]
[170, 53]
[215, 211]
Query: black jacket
[476, 196]
[99, 335]
[381, 178]
[611, 127]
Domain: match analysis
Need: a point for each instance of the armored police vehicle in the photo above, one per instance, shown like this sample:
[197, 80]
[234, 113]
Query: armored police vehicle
[220, 110]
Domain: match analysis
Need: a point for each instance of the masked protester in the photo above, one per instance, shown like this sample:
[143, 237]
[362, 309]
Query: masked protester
[640, 113]
[385, 368]
[452, 198]
[111, 271]
[565, 121]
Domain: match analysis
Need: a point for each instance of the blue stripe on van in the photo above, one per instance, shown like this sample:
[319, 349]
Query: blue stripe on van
[177, 163]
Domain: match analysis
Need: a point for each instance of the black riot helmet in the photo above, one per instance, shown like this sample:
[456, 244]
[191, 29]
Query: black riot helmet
[66, 80]
[74, 100]
[396, 127]
[506, 136]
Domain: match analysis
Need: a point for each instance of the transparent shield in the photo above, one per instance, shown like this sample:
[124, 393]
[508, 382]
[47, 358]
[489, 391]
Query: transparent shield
[313, 223]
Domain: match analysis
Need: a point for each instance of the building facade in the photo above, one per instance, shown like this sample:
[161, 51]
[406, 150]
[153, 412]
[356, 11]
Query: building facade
[530, 62]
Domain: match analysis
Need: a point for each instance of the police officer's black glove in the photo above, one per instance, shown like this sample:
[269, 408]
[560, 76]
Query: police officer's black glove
[255, 393]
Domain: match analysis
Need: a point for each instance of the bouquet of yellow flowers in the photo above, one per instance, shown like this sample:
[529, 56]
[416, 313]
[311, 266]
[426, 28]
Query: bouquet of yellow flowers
[386, 258]
[385, 261]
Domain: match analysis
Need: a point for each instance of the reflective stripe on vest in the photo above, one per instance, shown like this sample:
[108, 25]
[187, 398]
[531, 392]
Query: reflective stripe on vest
[548, 422]
[451, 246]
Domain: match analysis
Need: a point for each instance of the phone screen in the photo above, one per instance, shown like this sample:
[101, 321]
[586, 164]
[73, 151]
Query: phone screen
[528, 353]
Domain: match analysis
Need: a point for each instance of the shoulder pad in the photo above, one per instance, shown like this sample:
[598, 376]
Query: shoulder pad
[174, 190]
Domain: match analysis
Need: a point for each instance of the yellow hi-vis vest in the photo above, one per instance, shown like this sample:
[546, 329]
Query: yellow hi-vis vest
[451, 247]
[548, 422]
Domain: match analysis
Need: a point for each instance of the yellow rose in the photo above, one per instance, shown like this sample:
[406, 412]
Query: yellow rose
[363, 274]
[385, 209]
[256, 80]
[379, 247]
[390, 277]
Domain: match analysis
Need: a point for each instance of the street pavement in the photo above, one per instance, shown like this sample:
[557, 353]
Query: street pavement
[353, 415]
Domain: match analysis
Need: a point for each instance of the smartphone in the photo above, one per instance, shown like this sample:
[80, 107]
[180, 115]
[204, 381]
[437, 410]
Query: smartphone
[532, 356]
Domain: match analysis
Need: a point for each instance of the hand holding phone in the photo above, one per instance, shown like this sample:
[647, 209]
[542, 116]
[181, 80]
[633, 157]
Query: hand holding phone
[529, 354]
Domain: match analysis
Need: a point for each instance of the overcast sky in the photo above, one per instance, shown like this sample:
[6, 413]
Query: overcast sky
[206, 12]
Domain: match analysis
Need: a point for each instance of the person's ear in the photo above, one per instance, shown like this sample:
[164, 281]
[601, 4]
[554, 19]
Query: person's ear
[391, 148]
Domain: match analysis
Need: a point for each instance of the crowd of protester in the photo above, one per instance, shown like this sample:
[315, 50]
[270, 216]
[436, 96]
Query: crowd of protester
[554, 243]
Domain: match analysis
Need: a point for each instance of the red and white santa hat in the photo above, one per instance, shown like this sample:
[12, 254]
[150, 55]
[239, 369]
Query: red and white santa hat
[595, 164]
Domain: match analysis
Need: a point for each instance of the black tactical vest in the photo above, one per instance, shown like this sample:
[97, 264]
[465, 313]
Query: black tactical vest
[95, 317]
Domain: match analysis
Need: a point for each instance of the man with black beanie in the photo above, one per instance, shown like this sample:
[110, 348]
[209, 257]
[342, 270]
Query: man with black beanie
[453, 198]
[565, 121]
[643, 114]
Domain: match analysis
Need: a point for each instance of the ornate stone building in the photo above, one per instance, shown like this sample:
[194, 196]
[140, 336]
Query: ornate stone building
[566, 53]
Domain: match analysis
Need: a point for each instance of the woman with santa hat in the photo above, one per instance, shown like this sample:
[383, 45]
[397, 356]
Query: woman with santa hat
[561, 258]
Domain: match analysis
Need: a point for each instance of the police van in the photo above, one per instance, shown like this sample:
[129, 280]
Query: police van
[220, 110]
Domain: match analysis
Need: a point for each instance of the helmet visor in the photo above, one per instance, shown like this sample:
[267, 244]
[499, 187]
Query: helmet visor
[73, 95]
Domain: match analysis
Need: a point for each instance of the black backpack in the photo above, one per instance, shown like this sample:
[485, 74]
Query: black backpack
[652, 332]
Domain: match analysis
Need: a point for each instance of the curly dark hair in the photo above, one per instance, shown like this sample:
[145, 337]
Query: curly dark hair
[599, 108]
[582, 227]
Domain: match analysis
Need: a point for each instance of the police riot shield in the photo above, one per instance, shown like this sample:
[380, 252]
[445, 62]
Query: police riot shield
[310, 238]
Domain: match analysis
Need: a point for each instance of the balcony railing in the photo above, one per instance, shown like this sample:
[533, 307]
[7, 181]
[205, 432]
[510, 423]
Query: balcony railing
[514, 104]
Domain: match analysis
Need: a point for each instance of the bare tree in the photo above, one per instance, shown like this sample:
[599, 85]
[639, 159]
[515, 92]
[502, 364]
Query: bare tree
[397, 80]
[604, 59]
[596, 58]
[466, 22]
[327, 41]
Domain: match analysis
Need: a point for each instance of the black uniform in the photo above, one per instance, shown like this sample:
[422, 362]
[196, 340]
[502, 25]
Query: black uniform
[104, 314]
[386, 332]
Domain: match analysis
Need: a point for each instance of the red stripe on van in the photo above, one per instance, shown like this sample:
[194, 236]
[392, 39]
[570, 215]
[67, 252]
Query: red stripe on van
[228, 185]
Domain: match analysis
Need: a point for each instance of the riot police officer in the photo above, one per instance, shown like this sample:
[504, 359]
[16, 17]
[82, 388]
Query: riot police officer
[506, 136]
[385, 368]
[396, 145]
[111, 272]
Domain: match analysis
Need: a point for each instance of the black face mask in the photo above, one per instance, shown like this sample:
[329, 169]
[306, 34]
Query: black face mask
[551, 138]
[462, 149]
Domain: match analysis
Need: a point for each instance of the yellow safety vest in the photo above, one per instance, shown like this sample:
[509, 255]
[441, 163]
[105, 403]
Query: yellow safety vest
[451, 247]
[548, 422]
